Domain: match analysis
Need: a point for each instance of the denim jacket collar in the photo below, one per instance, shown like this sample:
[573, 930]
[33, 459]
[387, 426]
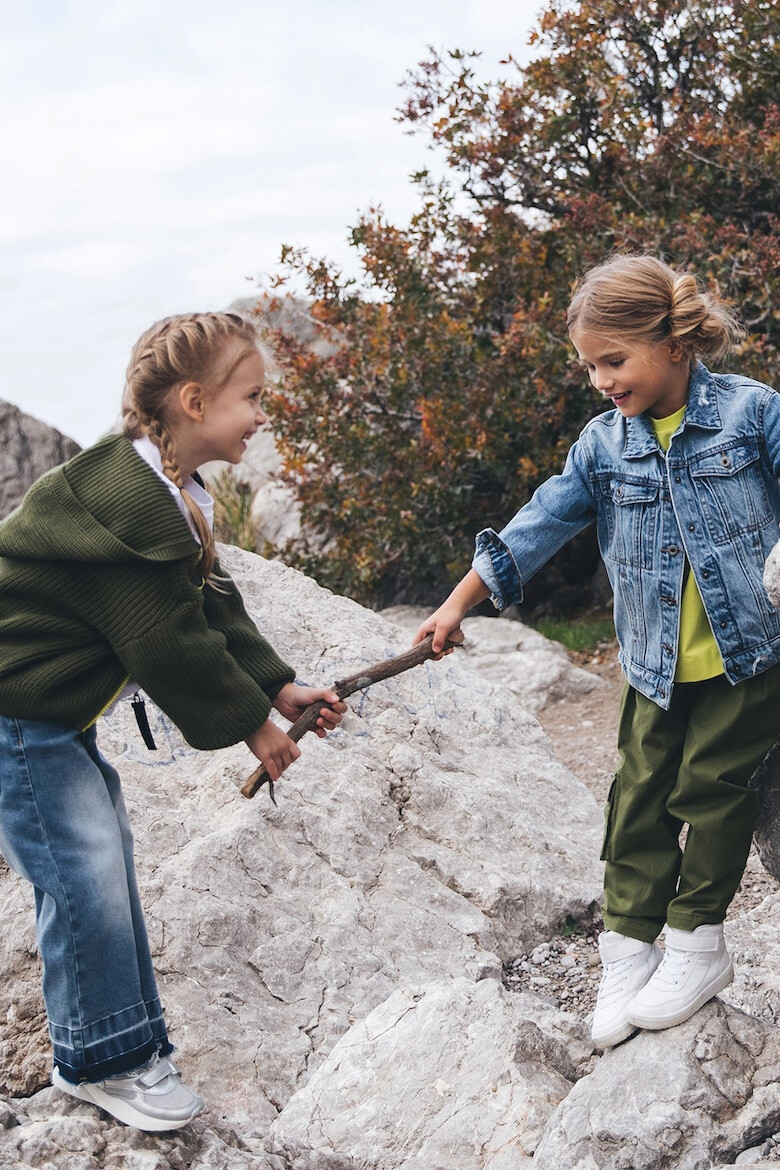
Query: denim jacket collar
[702, 411]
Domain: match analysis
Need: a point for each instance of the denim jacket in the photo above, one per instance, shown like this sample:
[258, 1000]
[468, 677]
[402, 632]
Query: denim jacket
[713, 498]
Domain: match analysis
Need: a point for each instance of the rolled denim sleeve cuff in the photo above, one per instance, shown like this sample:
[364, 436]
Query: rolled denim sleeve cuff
[494, 563]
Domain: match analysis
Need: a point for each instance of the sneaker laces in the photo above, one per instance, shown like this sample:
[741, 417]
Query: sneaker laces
[674, 966]
[614, 978]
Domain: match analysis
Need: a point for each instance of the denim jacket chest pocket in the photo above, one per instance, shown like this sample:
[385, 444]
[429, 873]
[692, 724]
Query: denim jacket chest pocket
[628, 519]
[731, 491]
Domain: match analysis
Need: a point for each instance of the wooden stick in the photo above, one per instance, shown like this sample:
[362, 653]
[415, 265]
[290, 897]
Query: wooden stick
[347, 686]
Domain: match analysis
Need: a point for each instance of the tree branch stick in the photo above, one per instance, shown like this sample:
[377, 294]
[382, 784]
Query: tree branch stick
[343, 688]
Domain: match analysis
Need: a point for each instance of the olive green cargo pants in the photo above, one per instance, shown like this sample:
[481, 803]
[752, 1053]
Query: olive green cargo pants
[690, 766]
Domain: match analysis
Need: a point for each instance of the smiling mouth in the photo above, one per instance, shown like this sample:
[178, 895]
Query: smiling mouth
[620, 397]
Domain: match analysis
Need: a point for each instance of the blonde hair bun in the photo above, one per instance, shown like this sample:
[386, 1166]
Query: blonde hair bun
[641, 298]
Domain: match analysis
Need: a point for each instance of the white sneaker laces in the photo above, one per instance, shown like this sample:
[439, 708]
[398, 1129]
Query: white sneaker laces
[673, 967]
[614, 978]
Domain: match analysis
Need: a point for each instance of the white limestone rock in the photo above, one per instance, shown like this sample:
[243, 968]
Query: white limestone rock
[690, 1097]
[25, 1059]
[330, 967]
[432, 836]
[513, 656]
[753, 940]
[450, 1074]
[52, 1130]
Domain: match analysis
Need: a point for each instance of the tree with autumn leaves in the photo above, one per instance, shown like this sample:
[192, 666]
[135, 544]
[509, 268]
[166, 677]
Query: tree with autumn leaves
[445, 389]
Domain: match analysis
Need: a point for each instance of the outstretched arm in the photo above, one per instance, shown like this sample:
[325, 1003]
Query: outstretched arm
[447, 618]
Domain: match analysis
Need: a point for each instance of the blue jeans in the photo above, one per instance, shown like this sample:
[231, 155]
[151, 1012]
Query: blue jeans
[64, 827]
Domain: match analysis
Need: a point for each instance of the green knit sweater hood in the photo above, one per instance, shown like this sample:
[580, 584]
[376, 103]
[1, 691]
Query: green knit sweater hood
[83, 511]
[99, 584]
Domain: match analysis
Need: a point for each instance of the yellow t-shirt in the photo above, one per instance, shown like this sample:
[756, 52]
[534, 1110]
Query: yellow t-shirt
[698, 656]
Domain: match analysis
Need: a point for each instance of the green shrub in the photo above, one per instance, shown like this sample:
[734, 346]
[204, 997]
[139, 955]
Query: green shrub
[582, 634]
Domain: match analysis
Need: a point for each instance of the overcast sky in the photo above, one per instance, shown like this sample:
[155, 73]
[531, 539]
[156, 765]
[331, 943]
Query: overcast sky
[157, 153]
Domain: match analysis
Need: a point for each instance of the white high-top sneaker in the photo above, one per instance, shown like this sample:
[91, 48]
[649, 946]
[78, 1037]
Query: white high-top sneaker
[695, 967]
[628, 964]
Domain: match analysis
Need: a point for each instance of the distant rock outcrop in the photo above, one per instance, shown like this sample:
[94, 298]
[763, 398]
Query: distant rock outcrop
[274, 510]
[275, 514]
[28, 447]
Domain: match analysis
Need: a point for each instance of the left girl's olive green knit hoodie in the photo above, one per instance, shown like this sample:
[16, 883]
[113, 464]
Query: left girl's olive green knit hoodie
[99, 584]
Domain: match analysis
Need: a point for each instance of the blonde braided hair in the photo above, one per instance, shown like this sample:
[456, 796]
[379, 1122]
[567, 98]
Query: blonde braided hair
[190, 347]
[640, 298]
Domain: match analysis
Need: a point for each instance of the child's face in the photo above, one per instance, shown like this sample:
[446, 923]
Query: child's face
[636, 376]
[233, 415]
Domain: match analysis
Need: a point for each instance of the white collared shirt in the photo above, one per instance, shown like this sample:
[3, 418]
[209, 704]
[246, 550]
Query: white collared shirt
[151, 455]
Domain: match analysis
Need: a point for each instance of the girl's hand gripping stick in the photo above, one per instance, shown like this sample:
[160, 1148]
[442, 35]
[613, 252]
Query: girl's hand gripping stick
[347, 686]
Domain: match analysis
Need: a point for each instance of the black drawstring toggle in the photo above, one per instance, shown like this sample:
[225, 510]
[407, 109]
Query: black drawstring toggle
[142, 719]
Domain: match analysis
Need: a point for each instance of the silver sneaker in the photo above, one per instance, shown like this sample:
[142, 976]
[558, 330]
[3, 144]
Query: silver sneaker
[151, 1098]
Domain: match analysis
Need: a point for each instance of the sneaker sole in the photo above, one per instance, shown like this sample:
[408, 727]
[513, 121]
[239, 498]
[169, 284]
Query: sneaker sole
[613, 1038]
[121, 1110]
[658, 1023]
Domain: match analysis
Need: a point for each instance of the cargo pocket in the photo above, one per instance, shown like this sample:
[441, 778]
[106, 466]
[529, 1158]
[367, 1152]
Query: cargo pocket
[609, 817]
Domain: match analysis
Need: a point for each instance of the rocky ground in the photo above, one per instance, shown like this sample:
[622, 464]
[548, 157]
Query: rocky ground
[583, 731]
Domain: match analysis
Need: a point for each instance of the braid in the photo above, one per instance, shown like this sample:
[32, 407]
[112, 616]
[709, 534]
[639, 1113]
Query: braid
[170, 465]
[190, 347]
[162, 438]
